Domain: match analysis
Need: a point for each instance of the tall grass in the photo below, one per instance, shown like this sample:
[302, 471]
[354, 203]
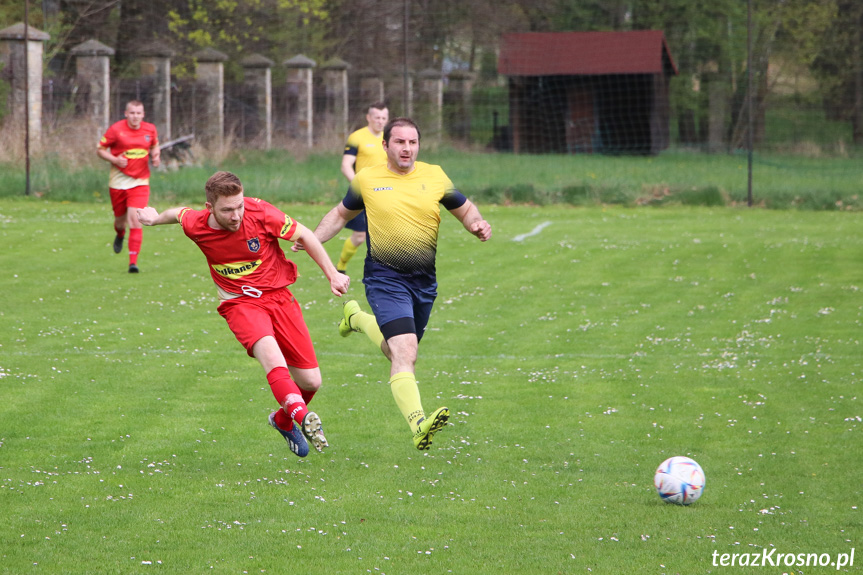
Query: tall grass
[779, 182]
[805, 129]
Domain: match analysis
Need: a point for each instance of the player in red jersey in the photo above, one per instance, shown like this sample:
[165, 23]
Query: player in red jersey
[240, 238]
[129, 145]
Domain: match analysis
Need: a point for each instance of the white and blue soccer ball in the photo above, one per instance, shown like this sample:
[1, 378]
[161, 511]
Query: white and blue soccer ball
[679, 480]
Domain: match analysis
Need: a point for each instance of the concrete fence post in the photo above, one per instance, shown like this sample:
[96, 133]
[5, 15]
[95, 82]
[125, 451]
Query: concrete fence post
[155, 63]
[428, 109]
[457, 101]
[93, 82]
[210, 78]
[14, 48]
[258, 80]
[335, 73]
[299, 115]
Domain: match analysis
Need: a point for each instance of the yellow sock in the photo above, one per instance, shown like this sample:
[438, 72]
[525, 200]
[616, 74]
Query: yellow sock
[366, 323]
[407, 396]
[348, 251]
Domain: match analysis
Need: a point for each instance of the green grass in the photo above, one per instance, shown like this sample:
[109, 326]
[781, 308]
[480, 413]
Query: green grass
[672, 178]
[574, 361]
[793, 122]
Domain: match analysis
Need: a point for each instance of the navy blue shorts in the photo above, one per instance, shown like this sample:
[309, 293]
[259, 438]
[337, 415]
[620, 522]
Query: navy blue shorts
[399, 307]
[358, 223]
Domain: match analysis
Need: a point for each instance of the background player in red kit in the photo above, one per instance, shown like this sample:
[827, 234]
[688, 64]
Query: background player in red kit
[240, 238]
[129, 145]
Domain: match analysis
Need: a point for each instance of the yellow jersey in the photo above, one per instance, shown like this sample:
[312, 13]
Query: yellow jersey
[367, 147]
[403, 218]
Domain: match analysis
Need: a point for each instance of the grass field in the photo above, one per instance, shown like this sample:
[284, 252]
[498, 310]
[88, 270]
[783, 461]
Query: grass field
[134, 435]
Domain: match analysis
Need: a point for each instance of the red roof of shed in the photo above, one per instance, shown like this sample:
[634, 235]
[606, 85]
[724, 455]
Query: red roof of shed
[584, 53]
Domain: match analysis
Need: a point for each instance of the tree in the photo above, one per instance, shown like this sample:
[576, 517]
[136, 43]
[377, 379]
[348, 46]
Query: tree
[838, 64]
[277, 29]
[85, 20]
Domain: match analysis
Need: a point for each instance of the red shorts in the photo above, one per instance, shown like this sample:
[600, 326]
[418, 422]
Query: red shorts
[275, 313]
[122, 200]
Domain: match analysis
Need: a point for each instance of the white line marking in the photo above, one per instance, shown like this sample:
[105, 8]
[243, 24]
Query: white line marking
[535, 231]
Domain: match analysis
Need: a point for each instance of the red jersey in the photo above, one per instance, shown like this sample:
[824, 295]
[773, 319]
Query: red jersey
[135, 145]
[249, 260]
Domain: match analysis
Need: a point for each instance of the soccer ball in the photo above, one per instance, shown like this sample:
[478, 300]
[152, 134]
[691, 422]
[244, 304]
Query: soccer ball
[679, 480]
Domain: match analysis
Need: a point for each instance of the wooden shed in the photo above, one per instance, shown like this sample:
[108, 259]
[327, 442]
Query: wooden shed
[588, 92]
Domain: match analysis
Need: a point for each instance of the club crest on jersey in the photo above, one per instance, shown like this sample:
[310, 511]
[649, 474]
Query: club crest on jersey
[254, 245]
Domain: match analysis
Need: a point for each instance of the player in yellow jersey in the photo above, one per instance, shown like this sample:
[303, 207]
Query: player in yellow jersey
[364, 148]
[401, 199]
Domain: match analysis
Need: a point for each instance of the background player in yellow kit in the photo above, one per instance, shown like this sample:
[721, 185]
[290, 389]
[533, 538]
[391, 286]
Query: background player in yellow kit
[364, 148]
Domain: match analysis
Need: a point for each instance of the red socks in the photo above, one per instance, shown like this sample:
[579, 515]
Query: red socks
[289, 395]
[282, 420]
[135, 235]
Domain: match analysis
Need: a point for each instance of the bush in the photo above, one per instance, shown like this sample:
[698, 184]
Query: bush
[708, 196]
[579, 195]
